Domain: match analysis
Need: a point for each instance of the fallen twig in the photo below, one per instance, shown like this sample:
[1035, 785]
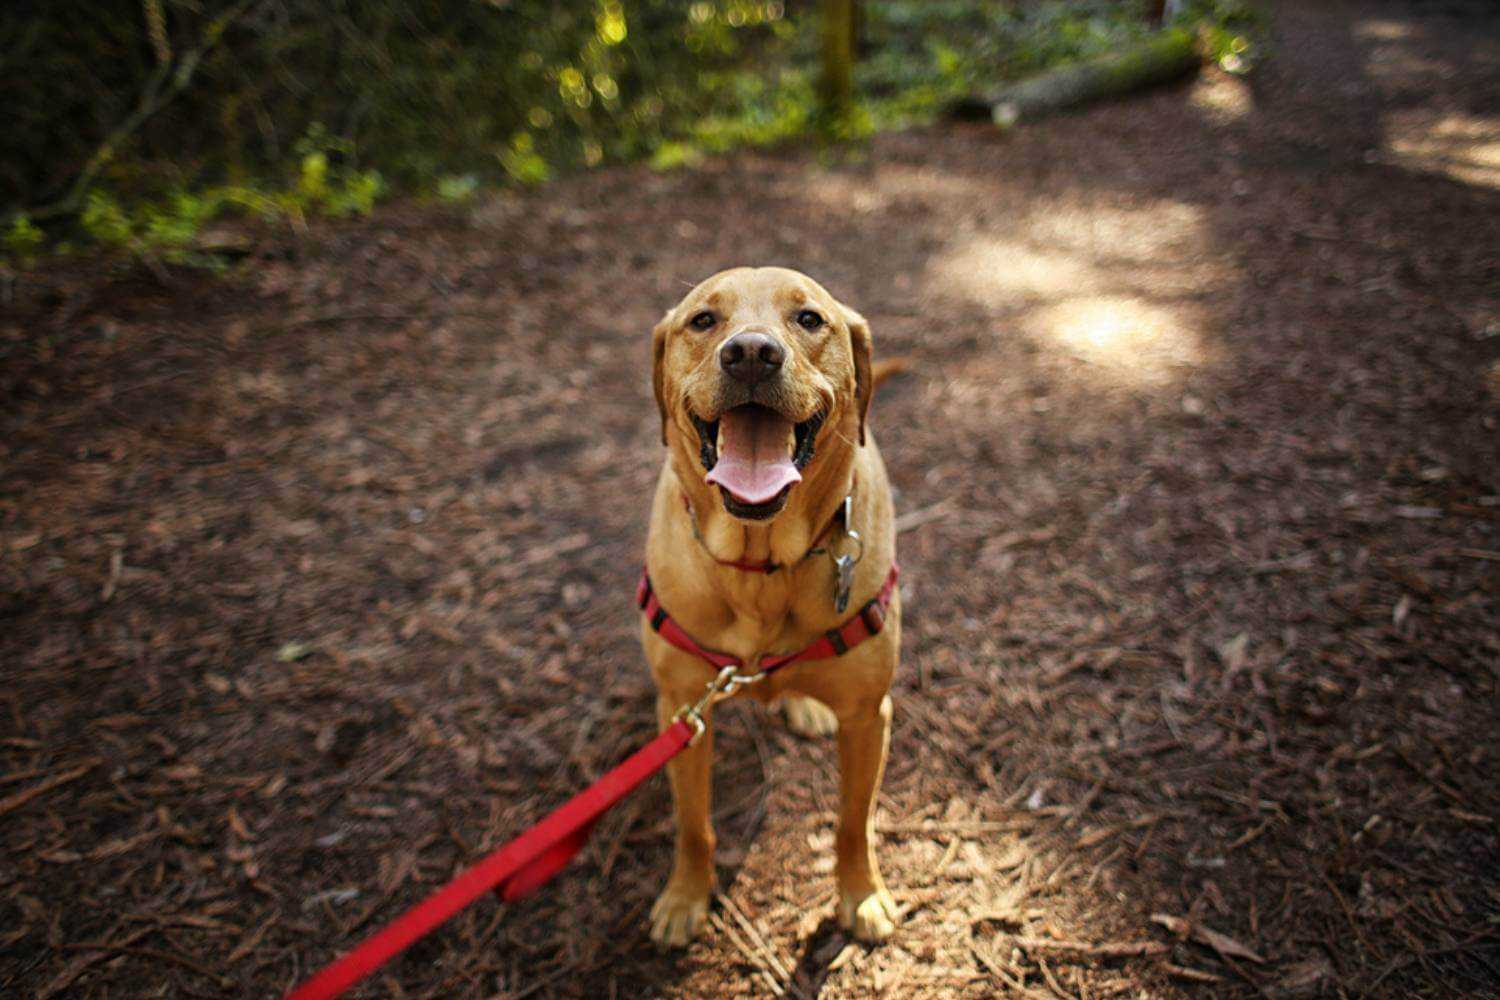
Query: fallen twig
[1196, 975]
[1020, 988]
[750, 954]
[1221, 943]
[16, 801]
[1104, 949]
[1159, 59]
[82, 963]
[783, 971]
[976, 826]
[157, 955]
[924, 515]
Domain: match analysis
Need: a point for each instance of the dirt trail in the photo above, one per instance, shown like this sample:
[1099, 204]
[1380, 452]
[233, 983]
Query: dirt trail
[315, 583]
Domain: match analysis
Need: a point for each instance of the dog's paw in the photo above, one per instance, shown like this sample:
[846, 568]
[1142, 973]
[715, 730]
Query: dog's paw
[870, 918]
[677, 917]
[809, 717]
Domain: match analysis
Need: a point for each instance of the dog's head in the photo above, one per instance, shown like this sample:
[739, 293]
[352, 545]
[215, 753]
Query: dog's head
[760, 375]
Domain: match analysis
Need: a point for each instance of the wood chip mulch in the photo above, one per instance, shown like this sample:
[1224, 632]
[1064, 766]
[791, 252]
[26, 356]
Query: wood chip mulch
[315, 578]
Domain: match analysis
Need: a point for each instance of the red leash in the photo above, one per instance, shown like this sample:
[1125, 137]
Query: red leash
[513, 871]
[528, 861]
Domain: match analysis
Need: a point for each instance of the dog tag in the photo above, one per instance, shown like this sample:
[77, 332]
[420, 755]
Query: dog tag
[843, 568]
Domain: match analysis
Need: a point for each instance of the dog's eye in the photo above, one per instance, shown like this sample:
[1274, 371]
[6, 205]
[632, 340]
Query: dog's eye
[809, 320]
[703, 321]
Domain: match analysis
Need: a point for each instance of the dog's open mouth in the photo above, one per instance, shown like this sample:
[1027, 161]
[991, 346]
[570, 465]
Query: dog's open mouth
[755, 456]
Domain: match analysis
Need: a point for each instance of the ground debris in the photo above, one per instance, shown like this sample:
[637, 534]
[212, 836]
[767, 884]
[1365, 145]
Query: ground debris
[315, 576]
[1221, 943]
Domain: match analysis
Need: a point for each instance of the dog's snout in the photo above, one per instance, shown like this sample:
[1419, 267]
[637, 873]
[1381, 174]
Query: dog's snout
[751, 357]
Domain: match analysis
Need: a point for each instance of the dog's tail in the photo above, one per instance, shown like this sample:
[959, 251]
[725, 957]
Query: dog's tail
[882, 370]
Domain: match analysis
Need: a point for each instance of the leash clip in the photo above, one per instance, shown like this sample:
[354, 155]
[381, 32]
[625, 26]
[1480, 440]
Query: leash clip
[728, 681]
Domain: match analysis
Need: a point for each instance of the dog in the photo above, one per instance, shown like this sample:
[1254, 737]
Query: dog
[772, 532]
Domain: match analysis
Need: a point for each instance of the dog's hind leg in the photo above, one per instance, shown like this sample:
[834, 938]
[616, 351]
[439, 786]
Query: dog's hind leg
[809, 717]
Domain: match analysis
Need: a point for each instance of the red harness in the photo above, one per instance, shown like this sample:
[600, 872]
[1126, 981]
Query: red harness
[868, 621]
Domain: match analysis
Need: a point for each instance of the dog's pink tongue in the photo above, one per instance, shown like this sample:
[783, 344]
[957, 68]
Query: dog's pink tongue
[753, 461]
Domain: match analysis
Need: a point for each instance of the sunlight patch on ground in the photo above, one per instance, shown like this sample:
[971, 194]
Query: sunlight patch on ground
[1463, 147]
[1222, 97]
[1113, 287]
[1393, 61]
[1131, 341]
[1001, 271]
[842, 193]
[1143, 233]
[889, 184]
[1379, 30]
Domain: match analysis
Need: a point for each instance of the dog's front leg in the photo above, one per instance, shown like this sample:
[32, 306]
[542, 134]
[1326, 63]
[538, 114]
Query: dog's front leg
[865, 907]
[682, 907]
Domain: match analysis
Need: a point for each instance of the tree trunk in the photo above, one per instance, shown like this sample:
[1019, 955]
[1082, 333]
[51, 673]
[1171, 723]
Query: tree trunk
[1163, 11]
[836, 82]
[1160, 59]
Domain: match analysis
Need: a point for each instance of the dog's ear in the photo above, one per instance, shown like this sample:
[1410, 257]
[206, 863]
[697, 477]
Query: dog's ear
[864, 382]
[659, 371]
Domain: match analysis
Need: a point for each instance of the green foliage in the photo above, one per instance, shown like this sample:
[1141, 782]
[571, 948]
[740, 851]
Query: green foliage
[522, 162]
[152, 229]
[320, 106]
[346, 192]
[457, 187]
[509, 91]
[106, 222]
[1233, 32]
[671, 155]
[22, 239]
[167, 226]
[325, 183]
[926, 54]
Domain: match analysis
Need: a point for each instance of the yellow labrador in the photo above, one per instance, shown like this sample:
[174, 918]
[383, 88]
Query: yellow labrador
[771, 527]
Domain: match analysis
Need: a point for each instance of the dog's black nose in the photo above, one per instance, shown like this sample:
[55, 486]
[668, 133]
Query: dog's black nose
[751, 357]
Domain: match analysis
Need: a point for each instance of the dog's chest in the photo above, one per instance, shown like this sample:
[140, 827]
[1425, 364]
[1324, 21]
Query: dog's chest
[760, 617]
